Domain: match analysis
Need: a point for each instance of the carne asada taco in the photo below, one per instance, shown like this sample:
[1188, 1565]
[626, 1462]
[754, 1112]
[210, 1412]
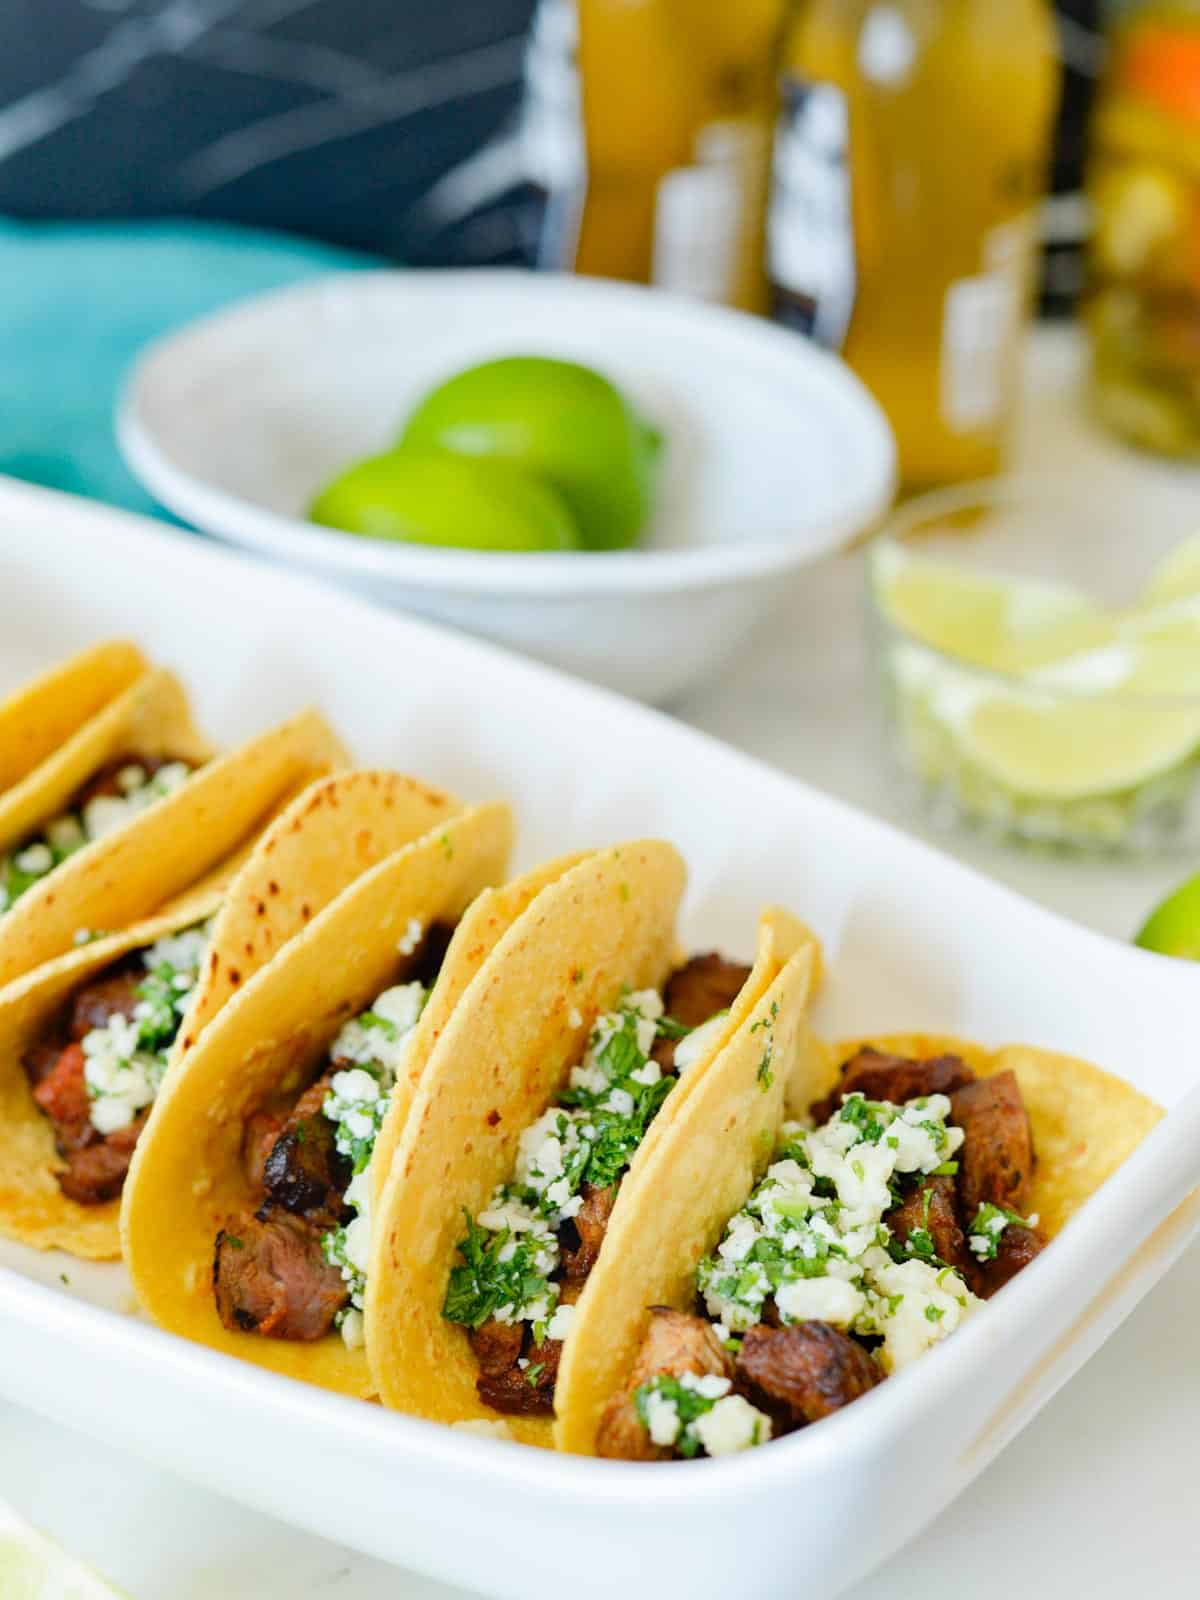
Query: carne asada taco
[916, 1187]
[95, 1031]
[551, 1075]
[40, 716]
[136, 749]
[246, 1213]
[157, 851]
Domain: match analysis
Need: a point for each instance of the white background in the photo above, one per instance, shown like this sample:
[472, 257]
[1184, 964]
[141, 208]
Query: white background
[1097, 1494]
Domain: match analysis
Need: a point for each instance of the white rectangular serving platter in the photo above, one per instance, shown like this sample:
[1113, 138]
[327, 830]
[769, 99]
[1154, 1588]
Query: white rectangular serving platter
[914, 941]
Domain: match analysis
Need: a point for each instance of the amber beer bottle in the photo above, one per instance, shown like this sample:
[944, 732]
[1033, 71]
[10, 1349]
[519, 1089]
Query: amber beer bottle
[911, 152]
[648, 128]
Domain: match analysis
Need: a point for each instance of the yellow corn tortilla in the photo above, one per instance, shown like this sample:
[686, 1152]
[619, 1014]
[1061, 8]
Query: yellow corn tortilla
[333, 831]
[149, 718]
[1085, 1122]
[40, 716]
[336, 829]
[483, 925]
[187, 1178]
[711, 1151]
[503, 1057]
[138, 869]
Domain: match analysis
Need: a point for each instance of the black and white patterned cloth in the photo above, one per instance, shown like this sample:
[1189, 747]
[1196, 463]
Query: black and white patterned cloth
[381, 124]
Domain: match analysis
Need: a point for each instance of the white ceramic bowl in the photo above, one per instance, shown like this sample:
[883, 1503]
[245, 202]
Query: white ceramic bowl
[776, 454]
[915, 942]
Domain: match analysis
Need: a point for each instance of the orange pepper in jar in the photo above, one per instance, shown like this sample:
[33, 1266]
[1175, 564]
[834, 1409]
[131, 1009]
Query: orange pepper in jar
[1143, 304]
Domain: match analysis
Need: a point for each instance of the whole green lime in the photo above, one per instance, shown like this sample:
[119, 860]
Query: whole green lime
[1173, 928]
[433, 497]
[562, 421]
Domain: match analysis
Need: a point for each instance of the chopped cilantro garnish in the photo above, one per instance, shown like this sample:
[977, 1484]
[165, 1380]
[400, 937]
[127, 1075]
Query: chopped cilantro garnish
[986, 1231]
[483, 1282]
[867, 1116]
[764, 1074]
[689, 1404]
[372, 1019]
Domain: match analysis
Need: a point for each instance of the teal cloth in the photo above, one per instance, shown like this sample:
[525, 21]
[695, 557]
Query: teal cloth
[77, 304]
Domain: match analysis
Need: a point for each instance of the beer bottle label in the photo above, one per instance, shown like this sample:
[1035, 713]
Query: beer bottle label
[704, 212]
[810, 226]
[552, 138]
[981, 328]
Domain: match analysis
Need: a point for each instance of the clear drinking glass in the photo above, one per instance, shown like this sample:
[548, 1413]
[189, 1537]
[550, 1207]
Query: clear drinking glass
[1039, 661]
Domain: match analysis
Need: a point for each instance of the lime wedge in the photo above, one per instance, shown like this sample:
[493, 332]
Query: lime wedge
[1163, 663]
[1176, 577]
[1062, 750]
[990, 621]
[1173, 928]
[32, 1568]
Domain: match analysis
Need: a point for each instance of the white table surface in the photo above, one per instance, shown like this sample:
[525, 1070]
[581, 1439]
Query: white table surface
[1096, 1494]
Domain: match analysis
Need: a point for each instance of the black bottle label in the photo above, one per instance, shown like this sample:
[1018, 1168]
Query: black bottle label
[810, 225]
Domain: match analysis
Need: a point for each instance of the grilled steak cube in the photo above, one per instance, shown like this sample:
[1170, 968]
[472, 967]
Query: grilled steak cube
[931, 1208]
[304, 1173]
[995, 1164]
[270, 1276]
[879, 1076]
[804, 1372]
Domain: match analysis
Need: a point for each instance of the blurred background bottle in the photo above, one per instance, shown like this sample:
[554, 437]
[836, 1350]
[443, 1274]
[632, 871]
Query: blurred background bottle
[649, 124]
[1143, 309]
[911, 155]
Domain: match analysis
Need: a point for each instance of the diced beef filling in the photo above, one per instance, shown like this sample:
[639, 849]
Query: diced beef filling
[62, 1094]
[703, 986]
[518, 1391]
[675, 1343]
[258, 1140]
[113, 995]
[274, 1279]
[802, 1373]
[591, 1225]
[695, 992]
[996, 1161]
[270, 1272]
[96, 1163]
[97, 1172]
[927, 1222]
[516, 1374]
[880, 1076]
[1016, 1248]
[270, 1276]
[303, 1172]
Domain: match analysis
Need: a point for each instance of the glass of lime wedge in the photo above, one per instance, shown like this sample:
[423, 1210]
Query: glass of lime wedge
[1040, 673]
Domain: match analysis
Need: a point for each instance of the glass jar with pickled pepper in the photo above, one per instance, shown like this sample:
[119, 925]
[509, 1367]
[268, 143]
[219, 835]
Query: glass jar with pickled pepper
[1143, 306]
